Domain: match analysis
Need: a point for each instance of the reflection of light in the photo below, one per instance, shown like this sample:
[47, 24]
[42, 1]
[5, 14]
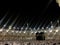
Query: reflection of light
[57, 30]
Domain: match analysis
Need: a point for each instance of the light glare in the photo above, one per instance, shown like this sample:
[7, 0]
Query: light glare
[57, 30]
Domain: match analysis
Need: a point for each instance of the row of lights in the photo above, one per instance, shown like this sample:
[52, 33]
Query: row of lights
[1, 30]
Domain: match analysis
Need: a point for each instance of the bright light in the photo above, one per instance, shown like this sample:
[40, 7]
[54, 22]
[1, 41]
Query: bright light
[24, 31]
[1, 30]
[57, 30]
[45, 31]
[7, 30]
[50, 30]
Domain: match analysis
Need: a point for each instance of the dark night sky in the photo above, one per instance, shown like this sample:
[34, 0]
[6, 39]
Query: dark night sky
[34, 16]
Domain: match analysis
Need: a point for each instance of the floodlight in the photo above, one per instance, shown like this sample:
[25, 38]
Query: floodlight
[1, 30]
[7, 30]
[24, 32]
[57, 30]
[50, 30]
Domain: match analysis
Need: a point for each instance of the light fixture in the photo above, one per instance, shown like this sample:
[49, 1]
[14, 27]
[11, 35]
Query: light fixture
[24, 32]
[1, 30]
[45, 31]
[7, 30]
[50, 30]
[57, 30]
